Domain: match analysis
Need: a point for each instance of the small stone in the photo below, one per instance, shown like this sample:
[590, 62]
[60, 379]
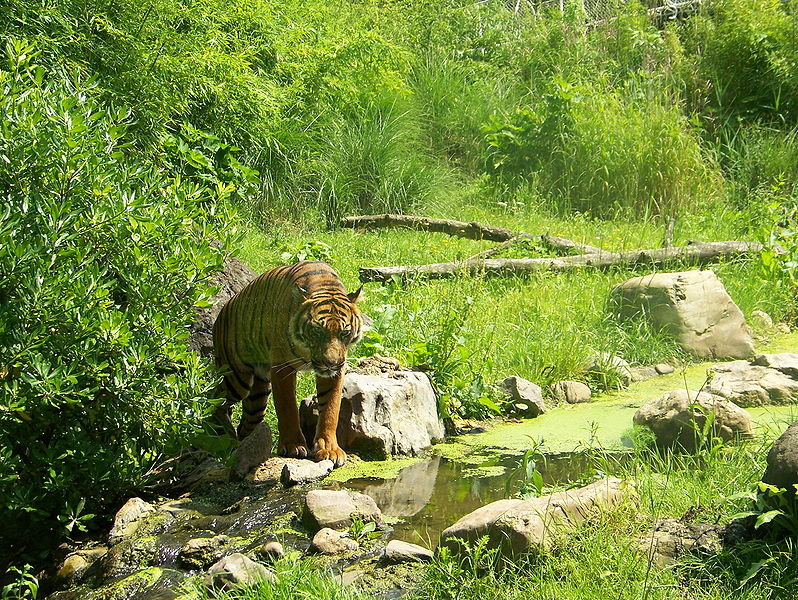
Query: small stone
[297, 472]
[572, 392]
[524, 397]
[335, 508]
[398, 551]
[198, 553]
[236, 571]
[783, 328]
[271, 550]
[127, 519]
[670, 538]
[349, 577]
[664, 368]
[761, 319]
[329, 541]
[252, 451]
[610, 368]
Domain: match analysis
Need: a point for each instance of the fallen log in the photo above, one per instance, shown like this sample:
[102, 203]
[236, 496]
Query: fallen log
[698, 253]
[471, 231]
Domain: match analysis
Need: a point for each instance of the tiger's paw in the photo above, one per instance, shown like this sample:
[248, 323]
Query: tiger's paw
[298, 450]
[329, 451]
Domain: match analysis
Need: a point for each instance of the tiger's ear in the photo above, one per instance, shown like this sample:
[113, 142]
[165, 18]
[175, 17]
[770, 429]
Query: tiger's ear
[354, 297]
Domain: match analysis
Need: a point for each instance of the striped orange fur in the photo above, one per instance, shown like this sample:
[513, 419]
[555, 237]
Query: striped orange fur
[291, 318]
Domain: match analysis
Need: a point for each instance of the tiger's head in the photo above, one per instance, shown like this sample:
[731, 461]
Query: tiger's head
[325, 326]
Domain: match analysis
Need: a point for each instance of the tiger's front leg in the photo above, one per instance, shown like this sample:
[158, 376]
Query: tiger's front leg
[292, 443]
[328, 393]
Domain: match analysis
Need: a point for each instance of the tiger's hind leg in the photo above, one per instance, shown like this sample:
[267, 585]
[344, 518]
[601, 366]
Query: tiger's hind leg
[253, 406]
[236, 387]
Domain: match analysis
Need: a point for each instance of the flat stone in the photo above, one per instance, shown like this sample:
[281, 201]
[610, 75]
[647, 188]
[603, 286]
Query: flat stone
[398, 551]
[572, 392]
[756, 383]
[349, 577]
[297, 472]
[643, 373]
[678, 417]
[331, 542]
[671, 538]
[128, 518]
[524, 397]
[519, 526]
[693, 307]
[236, 571]
[664, 368]
[335, 508]
[253, 450]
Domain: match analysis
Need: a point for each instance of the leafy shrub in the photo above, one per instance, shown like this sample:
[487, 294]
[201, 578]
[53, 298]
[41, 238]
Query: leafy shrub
[602, 151]
[101, 261]
[748, 50]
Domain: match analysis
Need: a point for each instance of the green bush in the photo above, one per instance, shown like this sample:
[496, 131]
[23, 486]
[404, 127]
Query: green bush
[603, 151]
[748, 51]
[101, 260]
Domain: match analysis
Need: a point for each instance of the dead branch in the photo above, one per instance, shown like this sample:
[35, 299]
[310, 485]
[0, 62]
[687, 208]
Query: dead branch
[471, 231]
[699, 254]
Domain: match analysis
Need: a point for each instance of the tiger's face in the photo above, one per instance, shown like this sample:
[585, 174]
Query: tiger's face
[327, 326]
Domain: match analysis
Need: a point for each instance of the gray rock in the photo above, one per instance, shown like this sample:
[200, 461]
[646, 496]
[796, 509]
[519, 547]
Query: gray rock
[609, 367]
[395, 412]
[199, 553]
[335, 508]
[331, 542]
[768, 379]
[253, 450]
[519, 526]
[128, 518]
[693, 307]
[398, 551]
[678, 418]
[525, 397]
[572, 392]
[237, 571]
[670, 538]
[782, 461]
[233, 278]
[664, 369]
[296, 472]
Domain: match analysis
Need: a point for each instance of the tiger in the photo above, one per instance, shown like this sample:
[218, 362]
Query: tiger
[292, 318]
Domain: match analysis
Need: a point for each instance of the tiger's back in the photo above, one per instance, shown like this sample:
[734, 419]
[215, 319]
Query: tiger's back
[291, 318]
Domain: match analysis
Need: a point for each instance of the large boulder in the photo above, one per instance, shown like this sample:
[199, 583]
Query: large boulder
[768, 379]
[519, 526]
[782, 460]
[693, 306]
[391, 412]
[233, 278]
[678, 419]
